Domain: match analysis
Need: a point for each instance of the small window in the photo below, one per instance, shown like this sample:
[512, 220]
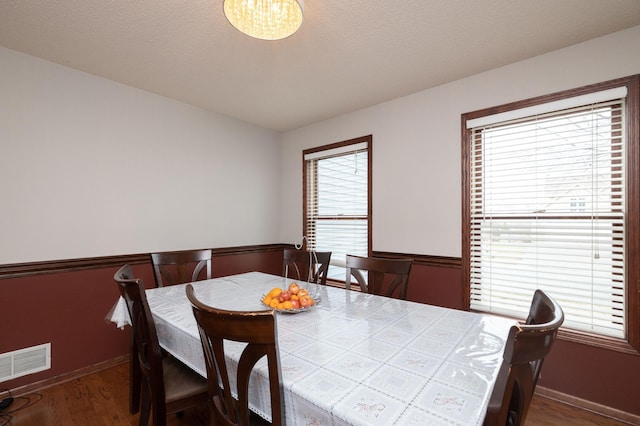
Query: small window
[578, 205]
[337, 201]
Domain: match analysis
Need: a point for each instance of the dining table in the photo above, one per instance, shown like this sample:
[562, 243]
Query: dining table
[353, 358]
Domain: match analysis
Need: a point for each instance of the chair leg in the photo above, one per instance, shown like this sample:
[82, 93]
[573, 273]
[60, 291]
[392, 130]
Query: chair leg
[145, 406]
[134, 379]
[159, 413]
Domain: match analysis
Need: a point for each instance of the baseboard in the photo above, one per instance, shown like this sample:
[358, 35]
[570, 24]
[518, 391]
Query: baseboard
[584, 404]
[66, 377]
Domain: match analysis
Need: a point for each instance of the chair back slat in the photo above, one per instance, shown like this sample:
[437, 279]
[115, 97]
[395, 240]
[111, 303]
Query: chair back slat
[386, 277]
[171, 268]
[296, 264]
[133, 292]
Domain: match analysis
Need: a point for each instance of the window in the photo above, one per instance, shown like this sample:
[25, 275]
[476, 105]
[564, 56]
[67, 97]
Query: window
[550, 202]
[578, 204]
[337, 201]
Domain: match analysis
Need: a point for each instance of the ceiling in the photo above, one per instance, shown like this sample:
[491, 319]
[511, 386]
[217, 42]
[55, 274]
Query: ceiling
[349, 54]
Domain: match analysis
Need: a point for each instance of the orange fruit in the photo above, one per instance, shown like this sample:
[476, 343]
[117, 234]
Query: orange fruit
[287, 305]
[266, 300]
[273, 303]
[274, 292]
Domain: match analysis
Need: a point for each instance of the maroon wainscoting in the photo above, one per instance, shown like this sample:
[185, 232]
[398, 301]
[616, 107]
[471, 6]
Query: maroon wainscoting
[435, 286]
[269, 262]
[68, 309]
[599, 375]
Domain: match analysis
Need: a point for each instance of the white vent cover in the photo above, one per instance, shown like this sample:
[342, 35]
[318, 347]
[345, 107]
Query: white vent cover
[25, 361]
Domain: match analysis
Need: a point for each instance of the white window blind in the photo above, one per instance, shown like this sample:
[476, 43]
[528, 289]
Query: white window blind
[547, 211]
[337, 203]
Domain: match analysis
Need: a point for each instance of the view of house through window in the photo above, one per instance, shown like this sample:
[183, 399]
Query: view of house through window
[336, 199]
[547, 208]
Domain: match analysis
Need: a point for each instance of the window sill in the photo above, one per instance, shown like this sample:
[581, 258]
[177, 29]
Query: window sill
[609, 343]
[342, 285]
[589, 339]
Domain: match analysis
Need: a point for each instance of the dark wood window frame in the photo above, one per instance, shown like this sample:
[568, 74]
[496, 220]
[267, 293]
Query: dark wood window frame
[631, 344]
[369, 141]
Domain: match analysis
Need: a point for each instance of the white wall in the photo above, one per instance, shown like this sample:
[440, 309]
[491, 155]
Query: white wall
[417, 142]
[90, 167]
[83, 160]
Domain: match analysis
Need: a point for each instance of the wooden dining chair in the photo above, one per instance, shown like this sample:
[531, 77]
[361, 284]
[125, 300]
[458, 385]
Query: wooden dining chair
[175, 267]
[296, 264]
[258, 330]
[171, 268]
[527, 346]
[386, 277]
[167, 386]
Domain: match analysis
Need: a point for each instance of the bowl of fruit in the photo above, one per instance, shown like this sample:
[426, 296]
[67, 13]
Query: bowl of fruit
[292, 300]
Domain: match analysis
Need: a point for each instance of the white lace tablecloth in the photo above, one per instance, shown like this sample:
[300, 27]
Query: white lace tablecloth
[355, 359]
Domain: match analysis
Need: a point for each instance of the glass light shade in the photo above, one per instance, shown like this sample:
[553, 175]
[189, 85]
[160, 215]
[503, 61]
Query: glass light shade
[265, 19]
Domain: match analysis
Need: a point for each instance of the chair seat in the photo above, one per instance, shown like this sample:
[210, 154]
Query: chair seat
[181, 382]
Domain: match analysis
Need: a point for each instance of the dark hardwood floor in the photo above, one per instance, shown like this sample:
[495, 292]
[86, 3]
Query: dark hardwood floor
[101, 399]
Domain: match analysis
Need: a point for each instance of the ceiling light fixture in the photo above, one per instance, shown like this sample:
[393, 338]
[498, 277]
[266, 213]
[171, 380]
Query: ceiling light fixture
[265, 19]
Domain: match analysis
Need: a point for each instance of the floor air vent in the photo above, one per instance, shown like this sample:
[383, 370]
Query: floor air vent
[25, 361]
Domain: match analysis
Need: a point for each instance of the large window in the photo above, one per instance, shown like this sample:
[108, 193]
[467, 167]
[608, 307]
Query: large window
[337, 202]
[551, 190]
